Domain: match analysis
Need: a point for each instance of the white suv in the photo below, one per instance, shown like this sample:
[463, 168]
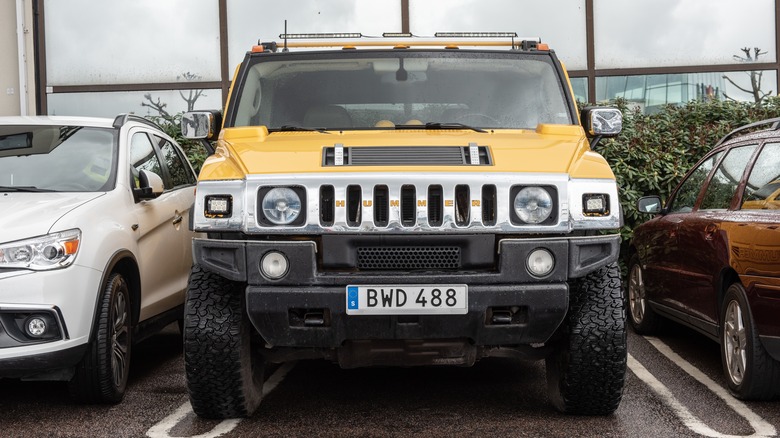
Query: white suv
[95, 248]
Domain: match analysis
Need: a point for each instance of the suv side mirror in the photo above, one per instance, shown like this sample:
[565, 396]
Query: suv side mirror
[649, 204]
[201, 124]
[601, 122]
[151, 185]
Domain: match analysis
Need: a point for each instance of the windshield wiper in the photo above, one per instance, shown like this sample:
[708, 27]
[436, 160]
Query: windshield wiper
[440, 125]
[26, 189]
[298, 128]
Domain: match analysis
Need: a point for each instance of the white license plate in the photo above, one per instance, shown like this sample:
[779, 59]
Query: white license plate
[407, 299]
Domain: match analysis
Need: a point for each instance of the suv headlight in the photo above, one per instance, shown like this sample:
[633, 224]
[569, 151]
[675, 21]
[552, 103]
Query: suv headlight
[281, 206]
[533, 205]
[52, 251]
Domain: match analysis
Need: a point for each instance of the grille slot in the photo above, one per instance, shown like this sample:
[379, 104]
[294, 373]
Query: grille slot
[435, 206]
[462, 205]
[381, 206]
[489, 204]
[327, 199]
[353, 205]
[408, 206]
[408, 257]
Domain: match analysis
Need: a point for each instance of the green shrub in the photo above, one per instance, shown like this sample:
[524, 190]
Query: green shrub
[654, 151]
[194, 149]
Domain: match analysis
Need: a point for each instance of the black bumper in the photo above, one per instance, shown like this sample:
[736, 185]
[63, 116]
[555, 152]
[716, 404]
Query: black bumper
[45, 363]
[307, 307]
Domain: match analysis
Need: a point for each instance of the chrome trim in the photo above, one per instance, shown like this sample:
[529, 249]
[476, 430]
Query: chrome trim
[568, 204]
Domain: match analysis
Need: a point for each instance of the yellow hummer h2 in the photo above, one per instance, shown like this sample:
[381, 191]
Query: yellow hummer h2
[398, 201]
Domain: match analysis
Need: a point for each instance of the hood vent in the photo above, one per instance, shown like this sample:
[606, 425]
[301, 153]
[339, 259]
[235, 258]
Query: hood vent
[472, 154]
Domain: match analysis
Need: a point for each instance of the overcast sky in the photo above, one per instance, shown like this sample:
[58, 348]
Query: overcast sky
[139, 41]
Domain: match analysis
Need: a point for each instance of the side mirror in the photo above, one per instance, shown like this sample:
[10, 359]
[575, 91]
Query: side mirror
[649, 204]
[601, 122]
[201, 124]
[151, 185]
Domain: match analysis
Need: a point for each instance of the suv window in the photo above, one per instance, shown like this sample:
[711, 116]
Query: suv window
[688, 192]
[180, 173]
[725, 181]
[763, 186]
[381, 90]
[143, 157]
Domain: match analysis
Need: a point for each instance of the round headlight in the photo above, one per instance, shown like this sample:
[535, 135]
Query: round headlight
[281, 205]
[274, 265]
[540, 262]
[533, 205]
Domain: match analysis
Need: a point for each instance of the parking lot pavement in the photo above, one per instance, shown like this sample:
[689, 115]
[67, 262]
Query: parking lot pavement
[674, 388]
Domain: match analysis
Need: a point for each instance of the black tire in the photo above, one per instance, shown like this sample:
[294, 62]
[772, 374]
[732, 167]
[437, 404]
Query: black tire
[586, 372]
[643, 318]
[224, 368]
[101, 376]
[750, 372]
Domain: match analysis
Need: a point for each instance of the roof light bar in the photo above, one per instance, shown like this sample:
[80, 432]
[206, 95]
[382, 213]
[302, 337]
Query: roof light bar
[301, 36]
[475, 35]
[397, 35]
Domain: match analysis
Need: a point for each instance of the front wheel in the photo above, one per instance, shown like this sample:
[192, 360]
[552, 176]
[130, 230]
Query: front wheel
[224, 365]
[751, 373]
[644, 320]
[101, 376]
[586, 372]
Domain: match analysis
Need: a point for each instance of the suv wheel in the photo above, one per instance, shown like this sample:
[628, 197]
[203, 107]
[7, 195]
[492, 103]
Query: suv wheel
[224, 367]
[750, 371]
[586, 373]
[643, 318]
[101, 376]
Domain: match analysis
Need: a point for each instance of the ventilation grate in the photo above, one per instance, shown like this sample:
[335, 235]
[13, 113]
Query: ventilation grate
[399, 258]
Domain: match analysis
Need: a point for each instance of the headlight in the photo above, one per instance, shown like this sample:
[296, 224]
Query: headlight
[533, 205]
[281, 206]
[52, 251]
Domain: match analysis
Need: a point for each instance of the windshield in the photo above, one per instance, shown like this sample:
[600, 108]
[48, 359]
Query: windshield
[391, 91]
[56, 158]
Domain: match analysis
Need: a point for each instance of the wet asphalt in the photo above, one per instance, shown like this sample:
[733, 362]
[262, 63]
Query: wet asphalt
[663, 397]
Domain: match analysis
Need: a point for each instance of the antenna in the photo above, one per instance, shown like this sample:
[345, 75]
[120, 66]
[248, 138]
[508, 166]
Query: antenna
[285, 37]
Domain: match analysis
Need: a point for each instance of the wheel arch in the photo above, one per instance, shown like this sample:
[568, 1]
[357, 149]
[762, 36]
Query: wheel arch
[122, 262]
[727, 277]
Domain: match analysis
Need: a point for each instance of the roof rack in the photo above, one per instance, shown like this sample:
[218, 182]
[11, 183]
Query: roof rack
[123, 118]
[775, 122]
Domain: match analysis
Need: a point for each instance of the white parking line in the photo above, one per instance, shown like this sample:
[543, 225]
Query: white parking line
[760, 427]
[164, 427]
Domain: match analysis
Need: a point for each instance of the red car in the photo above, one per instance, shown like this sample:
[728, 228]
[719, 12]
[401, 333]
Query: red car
[710, 258]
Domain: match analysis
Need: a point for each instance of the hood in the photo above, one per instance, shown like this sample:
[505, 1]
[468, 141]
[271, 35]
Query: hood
[26, 215]
[548, 149]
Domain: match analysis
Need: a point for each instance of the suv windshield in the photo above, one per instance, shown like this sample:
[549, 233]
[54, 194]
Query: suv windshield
[57, 158]
[388, 90]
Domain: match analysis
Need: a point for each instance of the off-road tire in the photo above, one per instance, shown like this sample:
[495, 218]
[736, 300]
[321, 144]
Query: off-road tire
[586, 372]
[224, 369]
[644, 320]
[760, 376]
[101, 376]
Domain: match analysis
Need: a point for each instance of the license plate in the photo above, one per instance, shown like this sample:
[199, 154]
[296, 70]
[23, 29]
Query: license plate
[407, 299]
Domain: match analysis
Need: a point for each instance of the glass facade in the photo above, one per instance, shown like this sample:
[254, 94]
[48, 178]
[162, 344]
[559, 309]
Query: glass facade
[100, 58]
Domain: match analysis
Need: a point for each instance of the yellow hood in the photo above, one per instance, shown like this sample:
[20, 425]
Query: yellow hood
[548, 149]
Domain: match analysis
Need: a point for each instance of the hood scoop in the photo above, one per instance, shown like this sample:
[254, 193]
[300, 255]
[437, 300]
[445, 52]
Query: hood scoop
[471, 155]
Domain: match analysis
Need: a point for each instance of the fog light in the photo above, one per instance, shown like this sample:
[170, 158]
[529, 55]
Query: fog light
[274, 265]
[540, 262]
[218, 206]
[595, 204]
[35, 326]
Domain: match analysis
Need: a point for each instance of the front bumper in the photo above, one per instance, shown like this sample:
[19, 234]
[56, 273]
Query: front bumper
[307, 307]
[67, 297]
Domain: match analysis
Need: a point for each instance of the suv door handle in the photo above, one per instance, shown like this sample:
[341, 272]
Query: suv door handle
[177, 220]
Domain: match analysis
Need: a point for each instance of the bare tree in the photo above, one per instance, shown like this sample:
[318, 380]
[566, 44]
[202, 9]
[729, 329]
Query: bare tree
[190, 97]
[755, 76]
